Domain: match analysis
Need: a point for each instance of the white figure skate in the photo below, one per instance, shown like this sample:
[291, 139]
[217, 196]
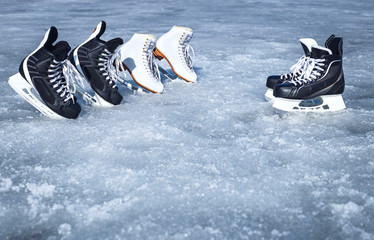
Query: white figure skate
[137, 57]
[174, 47]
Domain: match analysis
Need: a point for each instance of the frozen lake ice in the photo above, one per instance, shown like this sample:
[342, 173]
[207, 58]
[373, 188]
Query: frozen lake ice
[211, 160]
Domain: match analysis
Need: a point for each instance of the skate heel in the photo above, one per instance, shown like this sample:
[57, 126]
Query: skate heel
[158, 54]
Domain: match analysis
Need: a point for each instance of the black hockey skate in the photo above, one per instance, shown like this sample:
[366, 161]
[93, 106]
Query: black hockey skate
[321, 86]
[93, 60]
[297, 70]
[43, 71]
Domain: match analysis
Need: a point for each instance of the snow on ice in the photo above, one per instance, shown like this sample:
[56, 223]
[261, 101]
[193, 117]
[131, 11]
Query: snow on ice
[211, 160]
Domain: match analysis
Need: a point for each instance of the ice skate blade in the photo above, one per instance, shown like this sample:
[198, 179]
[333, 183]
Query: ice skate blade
[23, 88]
[101, 102]
[167, 74]
[326, 103]
[269, 95]
[94, 100]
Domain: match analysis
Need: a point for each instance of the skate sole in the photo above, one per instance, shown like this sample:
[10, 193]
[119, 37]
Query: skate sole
[159, 55]
[23, 88]
[326, 103]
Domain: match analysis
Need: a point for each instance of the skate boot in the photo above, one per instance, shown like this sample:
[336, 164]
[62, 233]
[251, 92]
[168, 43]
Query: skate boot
[321, 86]
[174, 47]
[137, 57]
[93, 59]
[296, 70]
[42, 70]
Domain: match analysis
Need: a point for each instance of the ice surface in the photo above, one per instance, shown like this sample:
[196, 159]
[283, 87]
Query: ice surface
[211, 160]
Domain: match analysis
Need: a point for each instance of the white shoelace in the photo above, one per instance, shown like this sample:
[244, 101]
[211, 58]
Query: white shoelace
[297, 70]
[188, 52]
[189, 55]
[111, 67]
[152, 67]
[117, 72]
[116, 68]
[314, 67]
[64, 78]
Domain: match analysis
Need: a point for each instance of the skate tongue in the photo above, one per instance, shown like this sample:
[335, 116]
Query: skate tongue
[113, 44]
[307, 44]
[328, 41]
[61, 50]
[50, 37]
[99, 30]
[318, 52]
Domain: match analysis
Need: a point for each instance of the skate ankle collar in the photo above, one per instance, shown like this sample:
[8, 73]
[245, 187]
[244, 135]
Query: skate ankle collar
[144, 35]
[318, 51]
[183, 28]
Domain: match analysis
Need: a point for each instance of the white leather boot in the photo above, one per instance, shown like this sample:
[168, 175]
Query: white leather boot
[137, 56]
[174, 47]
